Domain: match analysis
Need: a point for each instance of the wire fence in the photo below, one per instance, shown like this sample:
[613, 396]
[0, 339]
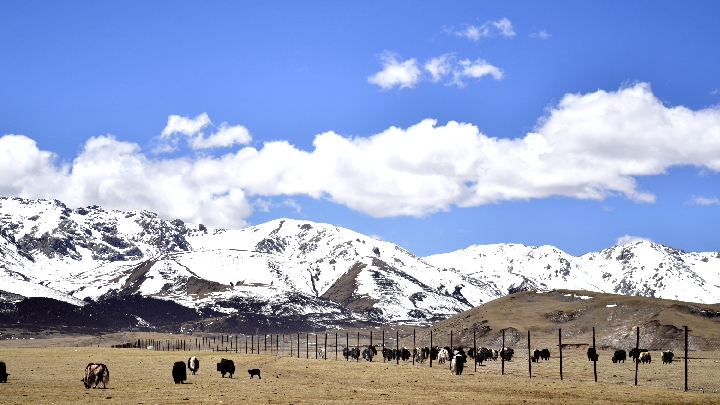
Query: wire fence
[679, 361]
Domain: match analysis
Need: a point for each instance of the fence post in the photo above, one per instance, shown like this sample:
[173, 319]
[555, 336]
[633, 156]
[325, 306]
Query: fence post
[686, 358]
[298, 350]
[529, 357]
[596, 356]
[560, 348]
[307, 345]
[397, 345]
[336, 345]
[637, 347]
[358, 347]
[316, 347]
[371, 348]
[502, 354]
[431, 348]
[383, 341]
[277, 345]
[414, 346]
[347, 345]
[325, 350]
[475, 349]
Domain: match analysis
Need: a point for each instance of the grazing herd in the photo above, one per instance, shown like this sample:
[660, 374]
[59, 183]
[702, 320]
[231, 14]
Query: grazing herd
[96, 373]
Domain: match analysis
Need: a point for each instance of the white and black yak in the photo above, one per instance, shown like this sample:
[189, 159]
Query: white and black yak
[226, 367]
[94, 374]
[3, 373]
[193, 365]
[178, 372]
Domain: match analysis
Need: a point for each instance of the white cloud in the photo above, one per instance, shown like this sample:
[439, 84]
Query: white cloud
[226, 135]
[627, 239]
[589, 146]
[475, 70]
[505, 27]
[439, 67]
[501, 27]
[714, 92]
[394, 73]
[542, 34]
[705, 201]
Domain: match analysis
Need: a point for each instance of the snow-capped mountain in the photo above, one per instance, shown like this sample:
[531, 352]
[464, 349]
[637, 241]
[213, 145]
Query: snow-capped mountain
[299, 268]
[642, 268]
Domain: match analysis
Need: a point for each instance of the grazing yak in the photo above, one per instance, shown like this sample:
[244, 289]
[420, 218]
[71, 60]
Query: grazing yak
[536, 356]
[667, 357]
[254, 372]
[193, 365]
[645, 357]
[422, 354]
[3, 373]
[545, 354]
[388, 354]
[405, 354]
[592, 355]
[353, 353]
[635, 353]
[94, 374]
[226, 367]
[178, 372]
[443, 356]
[483, 354]
[619, 356]
[458, 363]
[507, 353]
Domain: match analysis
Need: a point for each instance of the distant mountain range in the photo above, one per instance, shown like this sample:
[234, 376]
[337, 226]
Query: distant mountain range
[290, 269]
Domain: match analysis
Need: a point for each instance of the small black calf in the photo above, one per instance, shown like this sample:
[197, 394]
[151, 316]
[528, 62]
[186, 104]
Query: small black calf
[253, 372]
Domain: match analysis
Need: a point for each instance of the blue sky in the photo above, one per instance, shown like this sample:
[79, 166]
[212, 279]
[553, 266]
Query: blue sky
[622, 100]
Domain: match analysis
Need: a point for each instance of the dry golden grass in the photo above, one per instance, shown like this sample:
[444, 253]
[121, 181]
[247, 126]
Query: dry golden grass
[52, 376]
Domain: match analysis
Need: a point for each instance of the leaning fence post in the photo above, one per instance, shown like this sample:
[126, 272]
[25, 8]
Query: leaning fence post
[686, 358]
[637, 351]
[560, 348]
[529, 357]
[502, 354]
[596, 356]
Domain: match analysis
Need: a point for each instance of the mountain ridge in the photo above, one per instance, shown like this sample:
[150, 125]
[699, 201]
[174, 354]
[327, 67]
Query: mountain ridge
[306, 270]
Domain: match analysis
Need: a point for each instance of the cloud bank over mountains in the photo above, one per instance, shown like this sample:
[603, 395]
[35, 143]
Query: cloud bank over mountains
[588, 146]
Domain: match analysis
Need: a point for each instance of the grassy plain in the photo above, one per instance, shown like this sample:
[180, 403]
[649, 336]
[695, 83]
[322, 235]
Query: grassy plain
[52, 376]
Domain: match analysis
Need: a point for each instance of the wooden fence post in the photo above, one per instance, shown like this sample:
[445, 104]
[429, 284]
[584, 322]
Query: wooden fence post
[637, 346]
[502, 354]
[686, 358]
[358, 348]
[560, 348]
[414, 347]
[529, 357]
[397, 345]
[431, 348]
[474, 349]
[596, 356]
